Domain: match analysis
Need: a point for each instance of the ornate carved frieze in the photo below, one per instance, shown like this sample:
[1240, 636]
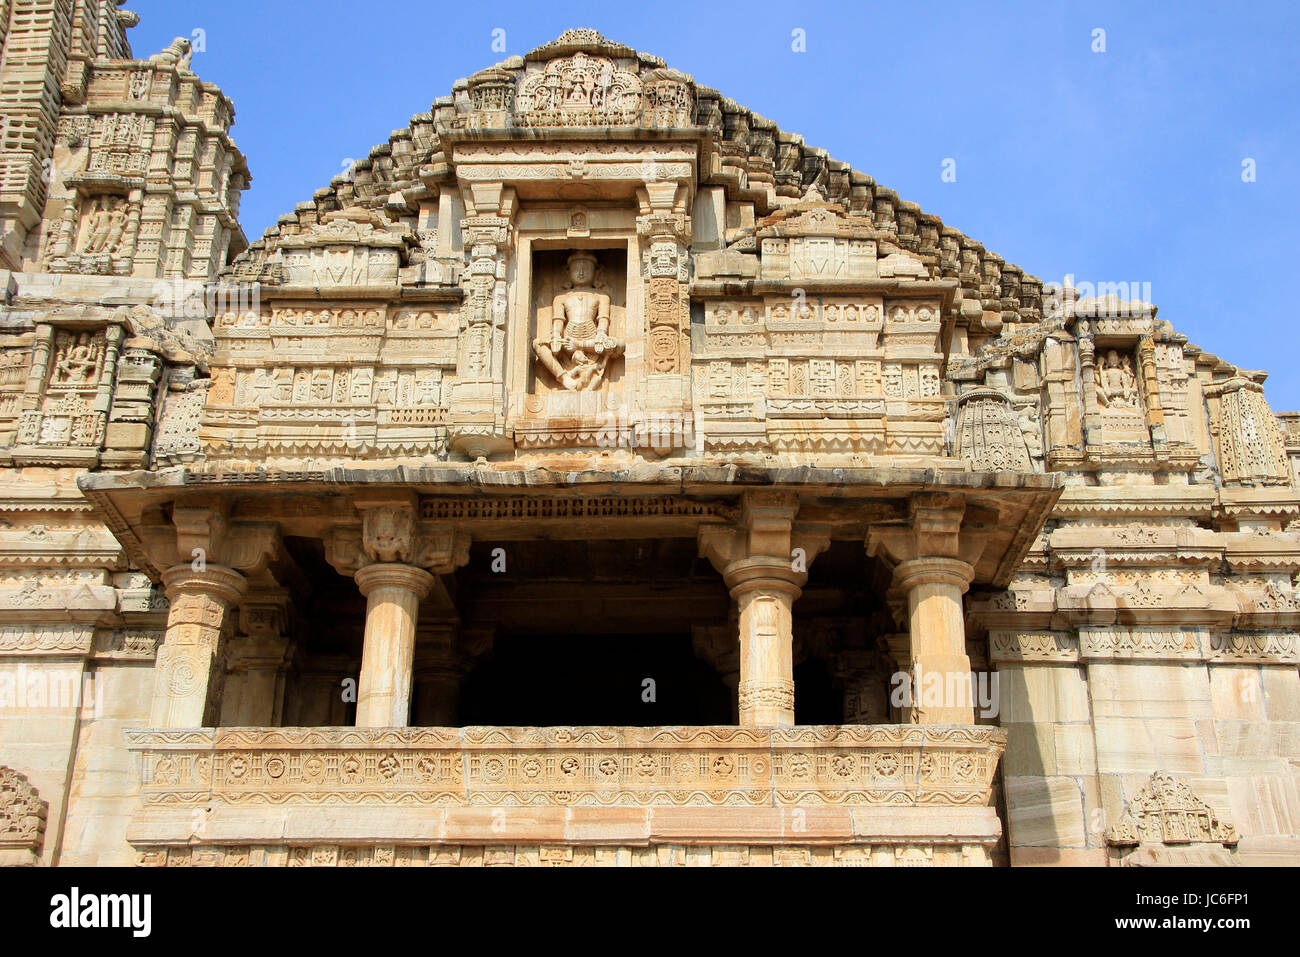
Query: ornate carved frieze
[1281, 647]
[1143, 642]
[45, 639]
[753, 767]
[1027, 646]
[542, 508]
[560, 854]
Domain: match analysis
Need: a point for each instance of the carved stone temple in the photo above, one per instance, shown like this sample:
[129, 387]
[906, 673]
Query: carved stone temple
[598, 474]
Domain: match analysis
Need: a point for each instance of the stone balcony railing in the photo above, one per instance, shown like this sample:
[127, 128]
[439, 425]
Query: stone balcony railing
[323, 795]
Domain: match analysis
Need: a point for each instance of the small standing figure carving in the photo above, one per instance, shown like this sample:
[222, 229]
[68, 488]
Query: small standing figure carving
[106, 225]
[1116, 384]
[579, 347]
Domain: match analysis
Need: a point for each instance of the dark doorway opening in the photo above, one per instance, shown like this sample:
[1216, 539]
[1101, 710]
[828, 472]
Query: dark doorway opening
[538, 681]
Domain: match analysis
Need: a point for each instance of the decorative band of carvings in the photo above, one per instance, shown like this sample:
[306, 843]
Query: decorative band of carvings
[1117, 643]
[532, 508]
[128, 643]
[1148, 643]
[549, 767]
[568, 855]
[45, 639]
[1282, 647]
[1033, 646]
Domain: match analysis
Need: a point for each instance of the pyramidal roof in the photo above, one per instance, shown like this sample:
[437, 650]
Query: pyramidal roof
[394, 173]
[752, 156]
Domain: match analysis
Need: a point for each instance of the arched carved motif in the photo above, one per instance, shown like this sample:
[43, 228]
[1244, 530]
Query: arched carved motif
[22, 817]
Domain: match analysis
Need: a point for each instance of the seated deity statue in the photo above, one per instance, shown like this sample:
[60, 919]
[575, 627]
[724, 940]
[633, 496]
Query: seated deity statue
[1116, 385]
[579, 346]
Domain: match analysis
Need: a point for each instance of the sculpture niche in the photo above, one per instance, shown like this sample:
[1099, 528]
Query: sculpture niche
[579, 348]
[1116, 383]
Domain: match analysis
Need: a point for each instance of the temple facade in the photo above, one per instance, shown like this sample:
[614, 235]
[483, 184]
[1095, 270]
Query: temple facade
[598, 474]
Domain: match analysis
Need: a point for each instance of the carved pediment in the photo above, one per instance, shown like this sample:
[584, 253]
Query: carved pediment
[814, 216]
[579, 90]
[1166, 811]
[22, 812]
[353, 226]
[352, 246]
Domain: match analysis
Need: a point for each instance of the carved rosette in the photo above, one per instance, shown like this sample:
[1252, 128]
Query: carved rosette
[1252, 449]
[988, 434]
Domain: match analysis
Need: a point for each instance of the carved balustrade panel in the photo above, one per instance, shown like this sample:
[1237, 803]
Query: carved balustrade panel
[556, 767]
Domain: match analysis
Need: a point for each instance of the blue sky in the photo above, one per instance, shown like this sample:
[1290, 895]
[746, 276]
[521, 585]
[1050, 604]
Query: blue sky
[1123, 165]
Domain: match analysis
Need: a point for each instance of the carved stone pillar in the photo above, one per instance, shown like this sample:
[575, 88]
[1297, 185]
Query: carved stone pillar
[396, 560]
[1151, 389]
[40, 367]
[764, 563]
[664, 231]
[438, 672]
[393, 594]
[476, 408]
[104, 387]
[935, 552]
[185, 694]
[256, 662]
[209, 561]
[936, 623]
[1088, 376]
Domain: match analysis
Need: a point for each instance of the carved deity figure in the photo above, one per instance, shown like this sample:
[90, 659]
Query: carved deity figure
[76, 362]
[579, 347]
[105, 227]
[1030, 428]
[1116, 384]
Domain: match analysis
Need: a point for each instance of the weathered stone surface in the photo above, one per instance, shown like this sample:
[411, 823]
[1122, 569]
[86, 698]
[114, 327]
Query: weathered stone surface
[589, 353]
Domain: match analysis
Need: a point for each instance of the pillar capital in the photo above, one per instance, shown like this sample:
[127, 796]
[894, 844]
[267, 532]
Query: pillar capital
[764, 573]
[927, 571]
[199, 530]
[390, 533]
[417, 581]
[938, 525]
[218, 582]
[766, 533]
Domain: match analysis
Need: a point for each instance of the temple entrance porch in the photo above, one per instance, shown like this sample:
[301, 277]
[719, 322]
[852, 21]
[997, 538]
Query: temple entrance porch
[775, 620]
[635, 632]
